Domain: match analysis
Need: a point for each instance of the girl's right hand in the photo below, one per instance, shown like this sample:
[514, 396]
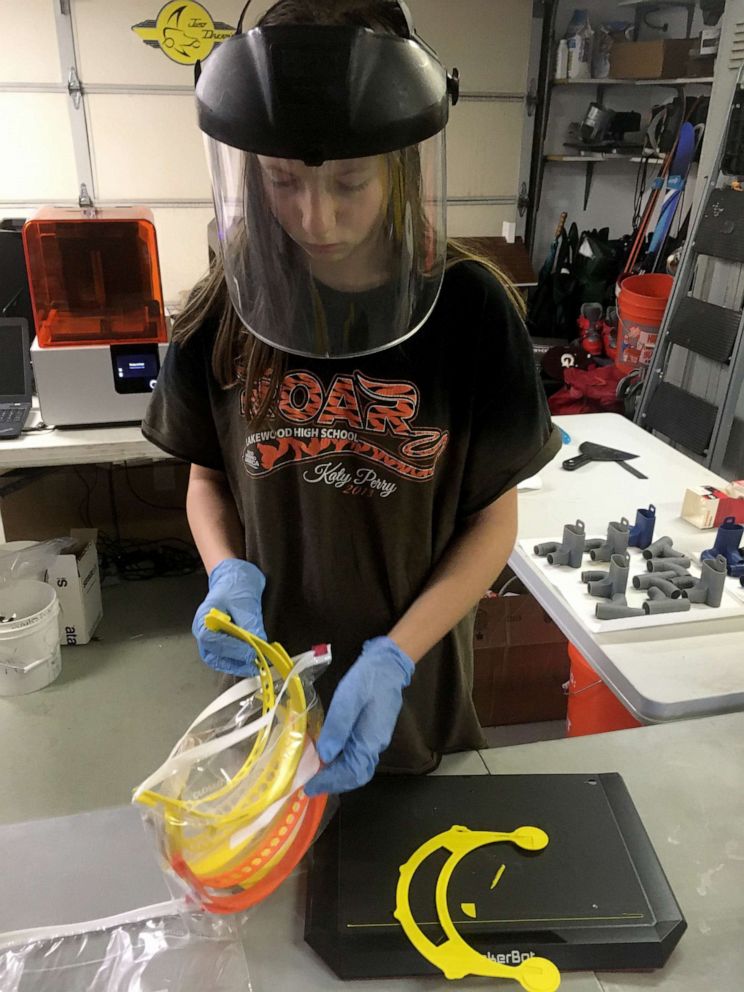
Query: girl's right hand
[235, 588]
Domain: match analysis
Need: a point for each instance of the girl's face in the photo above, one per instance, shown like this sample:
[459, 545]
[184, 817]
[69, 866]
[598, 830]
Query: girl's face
[334, 212]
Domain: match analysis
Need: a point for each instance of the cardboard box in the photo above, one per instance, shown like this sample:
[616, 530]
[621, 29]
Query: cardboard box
[706, 506]
[664, 58]
[520, 661]
[74, 576]
[77, 581]
[700, 65]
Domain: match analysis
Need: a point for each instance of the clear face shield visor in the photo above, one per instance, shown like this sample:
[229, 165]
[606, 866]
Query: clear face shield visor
[332, 260]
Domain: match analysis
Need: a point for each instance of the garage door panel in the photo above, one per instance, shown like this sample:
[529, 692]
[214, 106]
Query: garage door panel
[182, 249]
[483, 149]
[110, 52]
[32, 55]
[164, 157]
[487, 40]
[38, 159]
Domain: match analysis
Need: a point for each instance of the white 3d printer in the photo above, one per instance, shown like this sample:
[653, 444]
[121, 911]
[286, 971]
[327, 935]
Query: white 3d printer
[101, 332]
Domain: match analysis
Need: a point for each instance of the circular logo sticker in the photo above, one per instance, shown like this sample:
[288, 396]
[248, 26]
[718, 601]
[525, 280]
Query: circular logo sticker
[184, 31]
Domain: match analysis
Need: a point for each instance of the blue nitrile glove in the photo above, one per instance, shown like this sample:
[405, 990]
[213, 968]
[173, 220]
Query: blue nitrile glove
[361, 717]
[235, 587]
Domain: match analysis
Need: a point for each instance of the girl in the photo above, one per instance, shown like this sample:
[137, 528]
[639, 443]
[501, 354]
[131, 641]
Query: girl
[356, 396]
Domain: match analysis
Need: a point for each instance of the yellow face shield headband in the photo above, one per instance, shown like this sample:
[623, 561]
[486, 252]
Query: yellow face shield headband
[453, 956]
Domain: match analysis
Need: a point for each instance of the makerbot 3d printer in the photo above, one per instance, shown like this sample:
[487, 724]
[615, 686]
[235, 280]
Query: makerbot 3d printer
[94, 279]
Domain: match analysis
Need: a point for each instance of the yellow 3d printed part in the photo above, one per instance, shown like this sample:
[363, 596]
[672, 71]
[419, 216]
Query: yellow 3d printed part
[228, 805]
[454, 957]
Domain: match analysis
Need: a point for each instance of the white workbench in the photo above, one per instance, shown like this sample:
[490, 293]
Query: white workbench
[659, 673]
[74, 446]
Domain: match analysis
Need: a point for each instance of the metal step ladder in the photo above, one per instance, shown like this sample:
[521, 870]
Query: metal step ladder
[692, 393]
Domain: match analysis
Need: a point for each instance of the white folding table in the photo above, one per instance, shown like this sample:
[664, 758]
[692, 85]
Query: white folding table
[660, 673]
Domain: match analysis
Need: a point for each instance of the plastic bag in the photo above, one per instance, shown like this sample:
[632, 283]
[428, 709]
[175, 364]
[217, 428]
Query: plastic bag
[170, 954]
[227, 807]
[30, 559]
[579, 37]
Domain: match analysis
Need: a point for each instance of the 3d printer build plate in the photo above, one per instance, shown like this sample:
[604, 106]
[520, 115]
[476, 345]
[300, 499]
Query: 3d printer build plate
[594, 898]
[568, 582]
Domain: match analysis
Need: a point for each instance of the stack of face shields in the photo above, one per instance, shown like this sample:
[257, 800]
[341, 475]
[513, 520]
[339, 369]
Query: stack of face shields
[228, 806]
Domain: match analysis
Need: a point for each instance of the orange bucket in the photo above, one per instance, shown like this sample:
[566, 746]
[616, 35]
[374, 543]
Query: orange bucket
[641, 303]
[592, 707]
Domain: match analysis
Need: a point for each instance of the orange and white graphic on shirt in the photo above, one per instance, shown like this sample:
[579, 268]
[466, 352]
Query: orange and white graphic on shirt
[372, 419]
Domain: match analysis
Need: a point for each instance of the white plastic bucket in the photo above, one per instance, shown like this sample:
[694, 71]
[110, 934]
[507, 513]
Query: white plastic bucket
[30, 655]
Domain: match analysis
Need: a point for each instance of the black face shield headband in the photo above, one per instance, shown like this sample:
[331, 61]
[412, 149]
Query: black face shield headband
[316, 92]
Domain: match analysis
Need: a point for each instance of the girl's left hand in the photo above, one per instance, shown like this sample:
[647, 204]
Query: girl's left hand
[361, 717]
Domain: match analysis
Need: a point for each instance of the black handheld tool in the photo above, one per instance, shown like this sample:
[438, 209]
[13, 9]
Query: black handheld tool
[599, 453]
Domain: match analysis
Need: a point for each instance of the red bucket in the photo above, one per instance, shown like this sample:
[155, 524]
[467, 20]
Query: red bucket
[641, 303]
[592, 707]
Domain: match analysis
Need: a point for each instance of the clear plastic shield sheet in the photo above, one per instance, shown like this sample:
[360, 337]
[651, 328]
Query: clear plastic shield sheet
[152, 955]
[336, 260]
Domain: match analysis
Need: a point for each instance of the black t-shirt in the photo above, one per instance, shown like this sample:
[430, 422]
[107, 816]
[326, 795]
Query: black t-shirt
[351, 492]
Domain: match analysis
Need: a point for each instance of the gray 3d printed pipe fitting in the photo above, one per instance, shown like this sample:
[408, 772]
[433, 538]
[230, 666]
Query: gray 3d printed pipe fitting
[616, 580]
[678, 565]
[670, 553]
[656, 606]
[645, 579]
[544, 549]
[654, 593]
[595, 576]
[616, 542]
[592, 543]
[652, 551]
[666, 587]
[571, 549]
[709, 587]
[617, 609]
[680, 581]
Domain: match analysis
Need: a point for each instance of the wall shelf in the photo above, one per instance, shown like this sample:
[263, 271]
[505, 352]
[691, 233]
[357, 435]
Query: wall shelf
[546, 84]
[608, 157]
[688, 81]
[659, 4]
[590, 157]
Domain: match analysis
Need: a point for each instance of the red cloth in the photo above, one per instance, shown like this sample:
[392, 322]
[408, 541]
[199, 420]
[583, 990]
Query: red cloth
[591, 390]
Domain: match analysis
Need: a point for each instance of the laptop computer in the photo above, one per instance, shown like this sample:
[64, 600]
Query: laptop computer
[15, 376]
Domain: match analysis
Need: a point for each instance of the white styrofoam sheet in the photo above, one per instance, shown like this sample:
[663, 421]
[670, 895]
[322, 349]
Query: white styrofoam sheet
[568, 582]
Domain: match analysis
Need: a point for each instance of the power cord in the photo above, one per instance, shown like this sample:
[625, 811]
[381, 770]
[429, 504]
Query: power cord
[134, 560]
[147, 502]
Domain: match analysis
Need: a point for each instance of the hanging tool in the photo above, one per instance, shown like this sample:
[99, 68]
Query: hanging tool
[675, 185]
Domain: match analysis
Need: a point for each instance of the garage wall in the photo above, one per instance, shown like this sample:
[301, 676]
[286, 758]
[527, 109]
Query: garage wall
[133, 138]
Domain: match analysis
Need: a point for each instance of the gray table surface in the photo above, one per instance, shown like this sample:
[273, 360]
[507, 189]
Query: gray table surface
[121, 702]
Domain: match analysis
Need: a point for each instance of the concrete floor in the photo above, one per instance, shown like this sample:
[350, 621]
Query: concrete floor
[525, 733]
